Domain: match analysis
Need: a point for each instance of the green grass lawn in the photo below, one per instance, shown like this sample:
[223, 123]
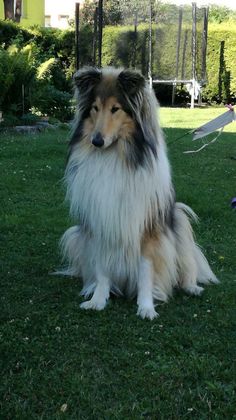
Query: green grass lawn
[60, 362]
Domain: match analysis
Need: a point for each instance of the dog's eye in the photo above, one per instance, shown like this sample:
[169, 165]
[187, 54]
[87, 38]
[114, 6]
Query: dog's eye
[95, 108]
[114, 109]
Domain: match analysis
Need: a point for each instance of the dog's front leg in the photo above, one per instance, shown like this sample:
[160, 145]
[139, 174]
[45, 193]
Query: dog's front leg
[101, 293]
[146, 307]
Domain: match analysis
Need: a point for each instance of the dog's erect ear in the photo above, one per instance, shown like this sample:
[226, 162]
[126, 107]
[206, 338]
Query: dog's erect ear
[131, 81]
[87, 78]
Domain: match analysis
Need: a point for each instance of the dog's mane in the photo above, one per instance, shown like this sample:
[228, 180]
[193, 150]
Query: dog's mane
[137, 100]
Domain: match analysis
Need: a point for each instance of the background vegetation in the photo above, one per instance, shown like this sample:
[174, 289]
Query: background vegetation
[37, 64]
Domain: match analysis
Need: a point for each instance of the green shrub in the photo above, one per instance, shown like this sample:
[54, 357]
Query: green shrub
[36, 58]
[47, 100]
[16, 78]
[6, 76]
[11, 33]
[221, 14]
[29, 119]
[50, 43]
[9, 120]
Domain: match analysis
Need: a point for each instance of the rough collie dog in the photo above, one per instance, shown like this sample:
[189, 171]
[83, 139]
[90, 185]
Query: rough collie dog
[132, 237]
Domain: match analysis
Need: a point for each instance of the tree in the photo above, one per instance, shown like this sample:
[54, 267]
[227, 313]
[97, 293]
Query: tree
[9, 11]
[18, 10]
[116, 12]
[219, 14]
[111, 12]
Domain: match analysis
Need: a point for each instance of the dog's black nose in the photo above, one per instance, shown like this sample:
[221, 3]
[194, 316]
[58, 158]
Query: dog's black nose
[97, 140]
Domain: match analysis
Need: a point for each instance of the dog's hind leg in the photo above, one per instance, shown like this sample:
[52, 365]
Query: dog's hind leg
[101, 293]
[146, 307]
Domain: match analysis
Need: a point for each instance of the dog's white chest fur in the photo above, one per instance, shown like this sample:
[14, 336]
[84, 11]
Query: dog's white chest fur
[114, 203]
[106, 198]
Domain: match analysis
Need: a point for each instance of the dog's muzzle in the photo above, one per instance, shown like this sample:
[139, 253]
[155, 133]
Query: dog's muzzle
[97, 140]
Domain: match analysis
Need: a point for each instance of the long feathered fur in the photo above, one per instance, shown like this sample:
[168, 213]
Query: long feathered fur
[131, 237]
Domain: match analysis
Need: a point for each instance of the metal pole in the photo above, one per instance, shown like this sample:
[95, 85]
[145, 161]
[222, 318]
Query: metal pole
[204, 43]
[184, 54]
[95, 34]
[177, 52]
[23, 99]
[135, 38]
[221, 69]
[100, 25]
[150, 45]
[194, 50]
[77, 55]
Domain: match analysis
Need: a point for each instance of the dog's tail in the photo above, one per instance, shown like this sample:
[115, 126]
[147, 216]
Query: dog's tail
[193, 266]
[70, 248]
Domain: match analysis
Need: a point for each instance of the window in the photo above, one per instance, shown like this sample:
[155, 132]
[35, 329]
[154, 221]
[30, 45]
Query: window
[63, 21]
[63, 17]
[47, 21]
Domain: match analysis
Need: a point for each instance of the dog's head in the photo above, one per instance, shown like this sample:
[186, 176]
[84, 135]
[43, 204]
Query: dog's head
[111, 104]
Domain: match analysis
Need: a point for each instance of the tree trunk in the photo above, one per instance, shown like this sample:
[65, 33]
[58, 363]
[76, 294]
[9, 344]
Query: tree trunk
[18, 10]
[9, 9]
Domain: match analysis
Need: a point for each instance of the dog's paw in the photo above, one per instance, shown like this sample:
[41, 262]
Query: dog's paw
[93, 304]
[147, 312]
[194, 290]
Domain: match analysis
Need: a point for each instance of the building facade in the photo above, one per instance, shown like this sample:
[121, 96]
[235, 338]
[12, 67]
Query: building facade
[59, 12]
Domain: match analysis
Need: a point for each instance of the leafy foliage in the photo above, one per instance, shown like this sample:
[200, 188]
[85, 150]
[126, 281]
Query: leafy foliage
[33, 62]
[47, 100]
[220, 14]
[16, 73]
[43, 60]
[44, 70]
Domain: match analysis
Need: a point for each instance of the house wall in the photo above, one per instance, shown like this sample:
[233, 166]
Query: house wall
[58, 12]
[1, 10]
[33, 13]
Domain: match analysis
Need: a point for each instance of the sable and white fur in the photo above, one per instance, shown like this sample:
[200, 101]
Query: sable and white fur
[131, 236]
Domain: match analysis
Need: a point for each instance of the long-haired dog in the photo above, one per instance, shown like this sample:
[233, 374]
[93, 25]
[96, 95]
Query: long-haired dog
[132, 237]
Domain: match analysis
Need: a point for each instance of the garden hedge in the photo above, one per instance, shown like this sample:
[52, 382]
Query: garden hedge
[121, 47]
[221, 60]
